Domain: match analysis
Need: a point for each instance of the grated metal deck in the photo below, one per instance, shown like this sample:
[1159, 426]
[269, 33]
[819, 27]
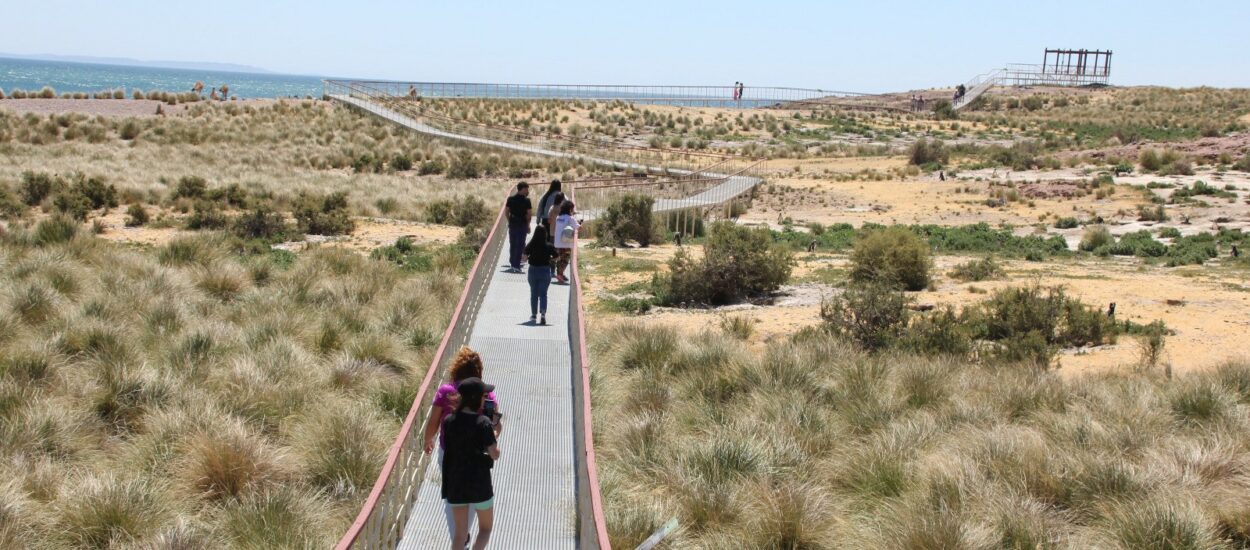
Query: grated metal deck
[535, 477]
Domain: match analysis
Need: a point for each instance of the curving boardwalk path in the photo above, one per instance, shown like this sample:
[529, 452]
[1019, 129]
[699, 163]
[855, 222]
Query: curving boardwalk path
[730, 188]
[543, 485]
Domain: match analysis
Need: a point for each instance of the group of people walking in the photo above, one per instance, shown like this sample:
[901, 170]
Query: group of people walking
[465, 422]
[738, 88]
[550, 249]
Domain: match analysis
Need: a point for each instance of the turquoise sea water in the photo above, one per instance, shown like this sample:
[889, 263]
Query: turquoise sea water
[64, 76]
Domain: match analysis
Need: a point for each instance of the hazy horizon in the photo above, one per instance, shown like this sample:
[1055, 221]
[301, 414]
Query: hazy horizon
[874, 48]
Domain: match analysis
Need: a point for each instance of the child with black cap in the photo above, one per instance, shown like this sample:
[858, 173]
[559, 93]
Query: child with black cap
[470, 453]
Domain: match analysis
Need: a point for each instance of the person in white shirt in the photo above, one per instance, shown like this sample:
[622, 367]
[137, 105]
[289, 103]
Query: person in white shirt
[565, 238]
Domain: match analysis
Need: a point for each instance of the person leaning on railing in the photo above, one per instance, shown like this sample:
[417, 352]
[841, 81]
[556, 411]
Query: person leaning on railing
[467, 364]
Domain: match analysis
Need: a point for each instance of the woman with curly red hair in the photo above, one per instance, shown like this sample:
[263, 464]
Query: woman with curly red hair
[467, 364]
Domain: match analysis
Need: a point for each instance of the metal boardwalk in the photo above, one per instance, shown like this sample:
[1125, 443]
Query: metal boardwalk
[531, 367]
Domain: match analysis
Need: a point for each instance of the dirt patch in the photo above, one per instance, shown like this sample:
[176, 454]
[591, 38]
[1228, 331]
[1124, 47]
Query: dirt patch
[1208, 148]
[105, 107]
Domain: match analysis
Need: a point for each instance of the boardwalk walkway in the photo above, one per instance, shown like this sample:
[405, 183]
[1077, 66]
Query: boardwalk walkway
[532, 369]
[545, 481]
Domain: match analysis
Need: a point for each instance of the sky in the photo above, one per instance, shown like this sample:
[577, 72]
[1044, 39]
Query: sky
[833, 45]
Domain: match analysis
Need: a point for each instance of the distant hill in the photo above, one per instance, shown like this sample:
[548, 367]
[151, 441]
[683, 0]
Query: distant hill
[125, 61]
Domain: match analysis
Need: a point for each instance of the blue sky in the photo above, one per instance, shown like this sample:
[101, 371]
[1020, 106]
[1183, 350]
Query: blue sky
[860, 46]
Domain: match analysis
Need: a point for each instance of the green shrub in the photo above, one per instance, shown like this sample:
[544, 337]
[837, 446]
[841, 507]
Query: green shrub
[1149, 160]
[10, 205]
[977, 270]
[925, 151]
[464, 165]
[737, 262]
[233, 195]
[464, 211]
[628, 217]
[136, 215]
[1243, 164]
[1066, 223]
[871, 315]
[401, 163]
[893, 256]
[944, 110]
[56, 229]
[206, 215]
[431, 167]
[1169, 233]
[1095, 237]
[190, 187]
[72, 204]
[939, 332]
[36, 187]
[96, 192]
[323, 215]
[368, 164]
[1150, 344]
[261, 222]
[1019, 316]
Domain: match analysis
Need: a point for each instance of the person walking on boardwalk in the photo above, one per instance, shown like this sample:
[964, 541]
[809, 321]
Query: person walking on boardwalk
[741, 88]
[553, 212]
[520, 212]
[544, 203]
[471, 451]
[541, 256]
[565, 238]
[467, 364]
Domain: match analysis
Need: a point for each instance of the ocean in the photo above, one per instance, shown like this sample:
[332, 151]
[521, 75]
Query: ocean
[63, 76]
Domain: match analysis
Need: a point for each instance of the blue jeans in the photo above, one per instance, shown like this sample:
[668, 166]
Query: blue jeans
[516, 242]
[540, 281]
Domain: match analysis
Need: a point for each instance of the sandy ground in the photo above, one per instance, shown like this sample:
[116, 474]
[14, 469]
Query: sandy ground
[104, 107]
[1205, 306]
[370, 233]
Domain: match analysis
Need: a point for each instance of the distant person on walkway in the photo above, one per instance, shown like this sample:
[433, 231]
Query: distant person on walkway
[471, 451]
[544, 203]
[553, 212]
[541, 256]
[741, 88]
[520, 212]
[734, 93]
[565, 239]
[467, 364]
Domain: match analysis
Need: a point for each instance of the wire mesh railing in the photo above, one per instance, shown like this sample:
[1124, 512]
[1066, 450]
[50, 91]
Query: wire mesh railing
[745, 97]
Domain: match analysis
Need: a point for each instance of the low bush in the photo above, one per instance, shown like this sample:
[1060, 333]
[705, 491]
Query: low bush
[925, 151]
[1095, 237]
[627, 218]
[738, 262]
[1066, 223]
[1033, 322]
[323, 214]
[54, 230]
[136, 215]
[262, 222]
[190, 187]
[401, 163]
[10, 205]
[465, 165]
[464, 211]
[72, 204]
[36, 187]
[206, 215]
[978, 270]
[431, 167]
[892, 256]
[871, 315]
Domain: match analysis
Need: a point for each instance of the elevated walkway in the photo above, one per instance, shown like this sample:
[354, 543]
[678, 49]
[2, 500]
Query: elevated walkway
[547, 493]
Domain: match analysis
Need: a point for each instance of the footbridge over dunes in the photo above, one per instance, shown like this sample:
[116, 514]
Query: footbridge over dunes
[546, 482]
[748, 97]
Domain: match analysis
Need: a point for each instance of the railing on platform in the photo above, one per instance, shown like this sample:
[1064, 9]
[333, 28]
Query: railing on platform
[684, 96]
[381, 520]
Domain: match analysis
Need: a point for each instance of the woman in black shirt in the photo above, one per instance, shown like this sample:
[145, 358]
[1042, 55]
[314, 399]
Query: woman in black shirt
[540, 253]
[469, 454]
